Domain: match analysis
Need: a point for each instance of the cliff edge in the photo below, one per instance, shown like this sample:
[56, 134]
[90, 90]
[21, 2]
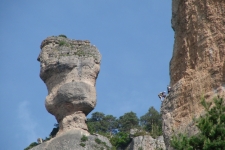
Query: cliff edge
[197, 67]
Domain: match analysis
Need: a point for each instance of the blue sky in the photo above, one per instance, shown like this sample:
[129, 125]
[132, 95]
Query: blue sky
[135, 39]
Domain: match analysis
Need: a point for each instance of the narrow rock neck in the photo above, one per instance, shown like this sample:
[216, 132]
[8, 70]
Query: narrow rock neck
[75, 120]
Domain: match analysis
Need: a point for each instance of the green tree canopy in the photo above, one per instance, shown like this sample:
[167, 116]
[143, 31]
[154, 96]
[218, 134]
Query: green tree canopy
[99, 123]
[128, 121]
[152, 122]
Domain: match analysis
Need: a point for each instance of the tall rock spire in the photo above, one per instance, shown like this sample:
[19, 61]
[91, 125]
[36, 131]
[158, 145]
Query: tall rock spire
[197, 67]
[69, 68]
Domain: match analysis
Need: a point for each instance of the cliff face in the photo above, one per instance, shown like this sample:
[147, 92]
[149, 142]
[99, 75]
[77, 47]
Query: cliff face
[197, 67]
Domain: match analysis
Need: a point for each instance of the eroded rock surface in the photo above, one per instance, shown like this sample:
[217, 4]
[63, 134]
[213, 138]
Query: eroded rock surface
[146, 142]
[71, 140]
[69, 68]
[197, 67]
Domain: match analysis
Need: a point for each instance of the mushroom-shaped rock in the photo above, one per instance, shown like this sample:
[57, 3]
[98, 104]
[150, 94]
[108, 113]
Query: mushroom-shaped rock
[69, 68]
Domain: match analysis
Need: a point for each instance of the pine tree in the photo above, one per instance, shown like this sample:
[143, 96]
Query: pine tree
[152, 122]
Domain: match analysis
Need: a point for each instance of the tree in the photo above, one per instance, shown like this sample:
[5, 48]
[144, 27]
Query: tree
[94, 123]
[121, 140]
[99, 123]
[152, 122]
[212, 130]
[54, 130]
[110, 122]
[128, 121]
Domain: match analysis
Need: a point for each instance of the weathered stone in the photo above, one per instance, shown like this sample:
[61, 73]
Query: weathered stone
[197, 67]
[146, 142]
[71, 140]
[69, 69]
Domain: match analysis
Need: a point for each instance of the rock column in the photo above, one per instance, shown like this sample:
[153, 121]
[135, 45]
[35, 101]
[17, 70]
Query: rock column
[197, 68]
[69, 68]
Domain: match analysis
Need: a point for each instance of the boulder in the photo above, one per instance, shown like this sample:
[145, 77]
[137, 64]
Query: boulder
[146, 142]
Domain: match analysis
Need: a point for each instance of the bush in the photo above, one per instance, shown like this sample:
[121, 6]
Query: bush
[54, 132]
[61, 43]
[84, 138]
[62, 35]
[31, 145]
[82, 144]
[121, 139]
[97, 140]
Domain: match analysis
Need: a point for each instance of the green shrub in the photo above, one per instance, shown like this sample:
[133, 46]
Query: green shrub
[84, 138]
[121, 139]
[61, 43]
[31, 145]
[97, 140]
[82, 144]
[62, 35]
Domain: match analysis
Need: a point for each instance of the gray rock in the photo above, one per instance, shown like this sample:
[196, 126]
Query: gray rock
[71, 140]
[146, 142]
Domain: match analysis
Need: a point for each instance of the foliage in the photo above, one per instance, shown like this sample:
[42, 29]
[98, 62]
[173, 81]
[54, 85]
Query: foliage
[84, 138]
[61, 43]
[31, 145]
[47, 138]
[82, 144]
[62, 35]
[97, 140]
[99, 123]
[121, 139]
[152, 122]
[128, 121]
[140, 148]
[212, 130]
[117, 130]
[54, 130]
[140, 133]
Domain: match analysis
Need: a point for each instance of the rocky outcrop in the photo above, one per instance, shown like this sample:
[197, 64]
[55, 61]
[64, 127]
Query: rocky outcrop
[197, 68]
[146, 142]
[69, 69]
[72, 140]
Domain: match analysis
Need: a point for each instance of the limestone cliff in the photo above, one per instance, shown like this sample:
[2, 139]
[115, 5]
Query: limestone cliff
[197, 67]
